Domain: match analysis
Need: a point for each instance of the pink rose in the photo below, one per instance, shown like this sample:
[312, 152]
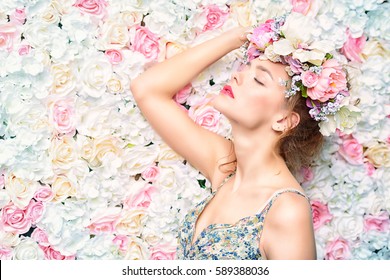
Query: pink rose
[205, 116]
[15, 220]
[122, 241]
[183, 94]
[370, 168]
[62, 115]
[353, 47]
[145, 42]
[309, 79]
[18, 17]
[337, 250]
[39, 236]
[332, 80]
[379, 223]
[142, 198]
[9, 36]
[35, 210]
[93, 7]
[51, 254]
[215, 17]
[352, 151]
[163, 252]
[24, 50]
[5, 253]
[304, 6]
[307, 174]
[321, 214]
[114, 56]
[150, 174]
[44, 193]
[262, 35]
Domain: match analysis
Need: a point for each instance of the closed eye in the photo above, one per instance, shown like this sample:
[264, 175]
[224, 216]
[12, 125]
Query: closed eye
[257, 81]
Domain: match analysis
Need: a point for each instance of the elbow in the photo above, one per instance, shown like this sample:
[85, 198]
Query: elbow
[136, 89]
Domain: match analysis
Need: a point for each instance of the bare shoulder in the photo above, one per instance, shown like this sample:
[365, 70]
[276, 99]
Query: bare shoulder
[290, 207]
[288, 230]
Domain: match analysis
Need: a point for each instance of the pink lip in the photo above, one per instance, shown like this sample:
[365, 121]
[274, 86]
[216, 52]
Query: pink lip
[227, 90]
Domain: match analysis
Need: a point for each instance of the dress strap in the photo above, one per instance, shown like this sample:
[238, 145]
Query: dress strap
[224, 181]
[270, 201]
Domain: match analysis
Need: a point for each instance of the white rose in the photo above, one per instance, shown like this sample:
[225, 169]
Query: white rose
[96, 120]
[131, 222]
[113, 35]
[100, 247]
[136, 159]
[94, 75]
[20, 191]
[28, 249]
[349, 227]
[151, 236]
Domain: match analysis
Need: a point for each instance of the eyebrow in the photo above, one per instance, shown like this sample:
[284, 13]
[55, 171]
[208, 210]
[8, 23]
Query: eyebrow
[262, 68]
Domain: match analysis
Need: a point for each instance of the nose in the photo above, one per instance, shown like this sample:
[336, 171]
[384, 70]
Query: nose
[238, 75]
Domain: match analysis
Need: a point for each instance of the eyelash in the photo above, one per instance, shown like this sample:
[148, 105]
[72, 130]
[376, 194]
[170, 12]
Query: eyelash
[257, 81]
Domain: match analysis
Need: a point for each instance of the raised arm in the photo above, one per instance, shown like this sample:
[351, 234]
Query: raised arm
[153, 91]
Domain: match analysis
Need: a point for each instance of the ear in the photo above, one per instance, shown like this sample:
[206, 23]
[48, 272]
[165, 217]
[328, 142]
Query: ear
[283, 123]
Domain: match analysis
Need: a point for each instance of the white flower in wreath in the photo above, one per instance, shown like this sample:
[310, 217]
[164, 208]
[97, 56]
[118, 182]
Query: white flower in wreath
[298, 41]
[345, 119]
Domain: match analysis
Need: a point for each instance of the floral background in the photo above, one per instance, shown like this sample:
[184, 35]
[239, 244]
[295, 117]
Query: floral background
[82, 174]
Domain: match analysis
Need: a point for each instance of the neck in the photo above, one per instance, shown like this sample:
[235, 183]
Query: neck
[257, 160]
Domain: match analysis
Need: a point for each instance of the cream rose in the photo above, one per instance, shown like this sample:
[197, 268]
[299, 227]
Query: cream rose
[62, 188]
[103, 146]
[63, 79]
[63, 152]
[50, 15]
[130, 18]
[21, 191]
[115, 85]
[136, 250]
[9, 239]
[242, 12]
[378, 155]
[131, 222]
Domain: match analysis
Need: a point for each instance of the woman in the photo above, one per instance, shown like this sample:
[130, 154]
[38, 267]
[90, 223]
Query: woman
[272, 135]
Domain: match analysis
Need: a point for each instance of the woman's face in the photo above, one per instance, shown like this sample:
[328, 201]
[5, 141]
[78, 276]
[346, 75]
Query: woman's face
[254, 96]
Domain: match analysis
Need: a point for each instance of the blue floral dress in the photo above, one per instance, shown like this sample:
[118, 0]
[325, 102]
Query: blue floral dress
[239, 241]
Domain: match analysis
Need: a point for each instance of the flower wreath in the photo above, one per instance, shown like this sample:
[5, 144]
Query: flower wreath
[316, 74]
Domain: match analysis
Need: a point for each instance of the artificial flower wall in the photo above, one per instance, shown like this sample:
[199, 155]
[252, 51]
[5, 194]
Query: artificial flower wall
[83, 175]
